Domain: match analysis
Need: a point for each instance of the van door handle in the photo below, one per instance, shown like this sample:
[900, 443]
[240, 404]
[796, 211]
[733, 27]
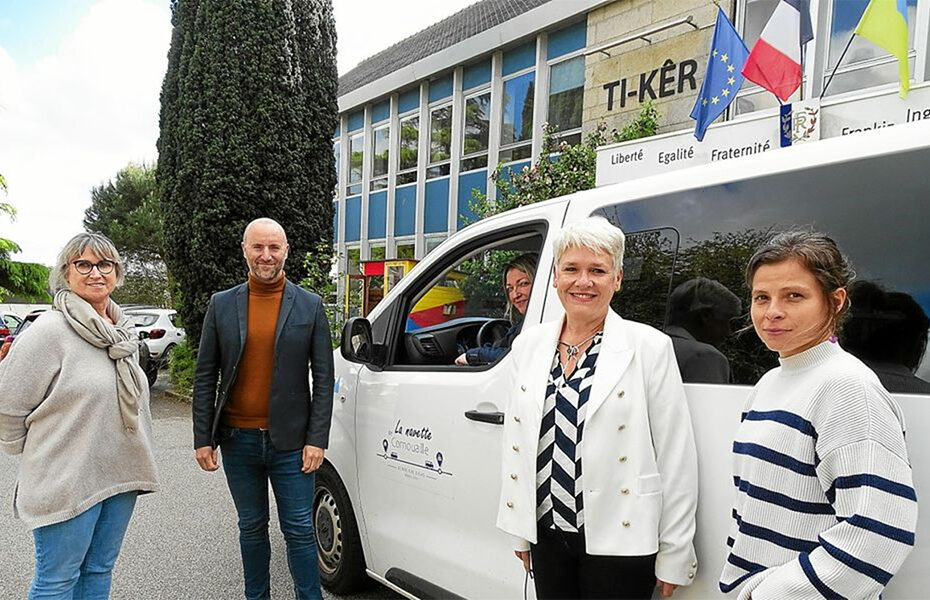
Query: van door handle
[494, 418]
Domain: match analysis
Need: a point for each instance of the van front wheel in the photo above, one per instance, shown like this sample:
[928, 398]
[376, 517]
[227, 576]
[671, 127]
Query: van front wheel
[342, 563]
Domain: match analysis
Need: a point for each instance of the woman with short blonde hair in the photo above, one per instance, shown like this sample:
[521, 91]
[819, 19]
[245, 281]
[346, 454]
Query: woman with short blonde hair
[599, 471]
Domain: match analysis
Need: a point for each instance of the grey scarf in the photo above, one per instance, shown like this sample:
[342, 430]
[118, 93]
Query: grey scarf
[119, 342]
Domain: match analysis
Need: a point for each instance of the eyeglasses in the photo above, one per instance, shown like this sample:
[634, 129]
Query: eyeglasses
[84, 267]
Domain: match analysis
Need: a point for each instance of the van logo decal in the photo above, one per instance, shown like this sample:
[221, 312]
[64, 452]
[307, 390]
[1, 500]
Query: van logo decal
[408, 447]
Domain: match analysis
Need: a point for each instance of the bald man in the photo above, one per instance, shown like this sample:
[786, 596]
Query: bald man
[260, 342]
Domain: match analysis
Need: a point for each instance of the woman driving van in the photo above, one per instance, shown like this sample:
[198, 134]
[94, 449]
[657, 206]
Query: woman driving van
[518, 283]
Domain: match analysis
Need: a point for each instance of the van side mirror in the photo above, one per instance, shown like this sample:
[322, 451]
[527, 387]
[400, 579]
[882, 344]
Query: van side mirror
[357, 345]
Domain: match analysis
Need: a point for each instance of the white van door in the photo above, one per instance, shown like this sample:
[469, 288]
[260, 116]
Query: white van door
[428, 431]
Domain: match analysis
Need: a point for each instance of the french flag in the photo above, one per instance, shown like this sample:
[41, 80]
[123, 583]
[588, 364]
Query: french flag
[775, 60]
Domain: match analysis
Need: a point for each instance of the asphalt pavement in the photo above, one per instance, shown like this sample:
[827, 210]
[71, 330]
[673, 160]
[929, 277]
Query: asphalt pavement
[182, 542]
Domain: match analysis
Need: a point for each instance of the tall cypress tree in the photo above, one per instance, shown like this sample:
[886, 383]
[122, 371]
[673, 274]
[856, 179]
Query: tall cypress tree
[248, 110]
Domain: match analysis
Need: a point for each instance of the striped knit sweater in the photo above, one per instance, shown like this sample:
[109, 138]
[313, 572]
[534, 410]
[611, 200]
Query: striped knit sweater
[825, 505]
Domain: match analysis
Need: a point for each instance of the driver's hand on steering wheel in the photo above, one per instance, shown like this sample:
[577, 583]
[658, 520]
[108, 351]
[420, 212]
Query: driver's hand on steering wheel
[461, 360]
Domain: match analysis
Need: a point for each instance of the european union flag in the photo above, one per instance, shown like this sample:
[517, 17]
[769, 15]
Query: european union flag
[724, 76]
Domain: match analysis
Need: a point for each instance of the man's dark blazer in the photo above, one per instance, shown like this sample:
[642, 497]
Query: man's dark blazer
[301, 344]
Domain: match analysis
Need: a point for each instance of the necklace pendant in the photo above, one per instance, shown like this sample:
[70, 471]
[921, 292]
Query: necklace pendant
[573, 350]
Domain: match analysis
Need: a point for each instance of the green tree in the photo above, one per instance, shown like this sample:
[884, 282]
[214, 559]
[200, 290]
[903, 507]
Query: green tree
[127, 209]
[321, 280]
[25, 281]
[248, 108]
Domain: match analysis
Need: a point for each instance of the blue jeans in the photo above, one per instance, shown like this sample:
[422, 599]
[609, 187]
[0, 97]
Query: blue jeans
[75, 558]
[250, 461]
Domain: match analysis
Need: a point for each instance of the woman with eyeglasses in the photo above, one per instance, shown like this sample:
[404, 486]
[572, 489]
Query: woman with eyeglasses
[517, 283]
[75, 404]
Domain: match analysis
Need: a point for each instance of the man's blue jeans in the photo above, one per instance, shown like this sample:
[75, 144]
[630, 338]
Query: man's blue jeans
[75, 558]
[250, 461]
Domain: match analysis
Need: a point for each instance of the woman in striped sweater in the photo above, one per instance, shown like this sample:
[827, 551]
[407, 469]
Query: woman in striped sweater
[825, 505]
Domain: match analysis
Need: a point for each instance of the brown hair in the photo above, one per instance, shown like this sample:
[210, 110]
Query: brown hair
[820, 255]
[525, 263]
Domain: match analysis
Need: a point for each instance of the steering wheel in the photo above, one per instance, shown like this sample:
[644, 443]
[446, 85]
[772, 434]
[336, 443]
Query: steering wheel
[492, 330]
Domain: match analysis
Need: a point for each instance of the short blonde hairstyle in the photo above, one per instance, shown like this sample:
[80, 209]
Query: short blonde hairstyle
[97, 243]
[594, 233]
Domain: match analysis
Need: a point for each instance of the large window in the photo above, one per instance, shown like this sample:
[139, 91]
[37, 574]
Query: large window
[476, 132]
[758, 13]
[517, 118]
[355, 283]
[752, 97]
[356, 160]
[566, 98]
[433, 242]
[381, 141]
[865, 64]
[697, 243]
[405, 249]
[440, 141]
[409, 149]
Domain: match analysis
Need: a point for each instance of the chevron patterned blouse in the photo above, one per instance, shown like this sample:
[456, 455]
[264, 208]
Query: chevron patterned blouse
[559, 502]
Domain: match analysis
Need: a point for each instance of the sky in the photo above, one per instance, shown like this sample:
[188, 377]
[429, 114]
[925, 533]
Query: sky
[79, 86]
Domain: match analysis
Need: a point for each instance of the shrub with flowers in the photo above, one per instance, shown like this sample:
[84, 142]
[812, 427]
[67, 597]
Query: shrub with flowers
[561, 168]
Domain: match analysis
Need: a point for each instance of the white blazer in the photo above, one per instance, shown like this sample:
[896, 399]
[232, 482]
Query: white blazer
[638, 457]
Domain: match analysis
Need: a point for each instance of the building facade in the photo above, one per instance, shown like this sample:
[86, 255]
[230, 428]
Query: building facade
[424, 122]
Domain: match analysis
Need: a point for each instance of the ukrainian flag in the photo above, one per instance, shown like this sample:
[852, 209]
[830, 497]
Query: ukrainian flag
[884, 22]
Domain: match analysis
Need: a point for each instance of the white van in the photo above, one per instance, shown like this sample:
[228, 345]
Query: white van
[408, 494]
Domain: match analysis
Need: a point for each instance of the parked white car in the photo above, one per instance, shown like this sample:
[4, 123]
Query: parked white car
[160, 327]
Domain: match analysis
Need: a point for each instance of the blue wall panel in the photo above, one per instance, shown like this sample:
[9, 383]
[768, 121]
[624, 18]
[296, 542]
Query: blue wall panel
[356, 120]
[381, 111]
[440, 88]
[519, 58]
[574, 37]
[476, 180]
[405, 210]
[476, 74]
[377, 215]
[353, 219]
[437, 206]
[408, 100]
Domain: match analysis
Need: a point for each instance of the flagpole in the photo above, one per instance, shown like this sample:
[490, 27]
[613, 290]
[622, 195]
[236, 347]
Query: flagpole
[838, 63]
[803, 67]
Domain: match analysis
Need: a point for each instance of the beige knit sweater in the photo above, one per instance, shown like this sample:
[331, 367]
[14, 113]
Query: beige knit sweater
[59, 409]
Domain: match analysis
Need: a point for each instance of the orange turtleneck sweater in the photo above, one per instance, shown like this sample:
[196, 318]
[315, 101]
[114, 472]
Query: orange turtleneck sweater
[248, 402]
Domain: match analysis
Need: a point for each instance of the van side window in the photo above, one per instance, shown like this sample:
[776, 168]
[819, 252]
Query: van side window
[648, 261]
[880, 225]
[462, 305]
